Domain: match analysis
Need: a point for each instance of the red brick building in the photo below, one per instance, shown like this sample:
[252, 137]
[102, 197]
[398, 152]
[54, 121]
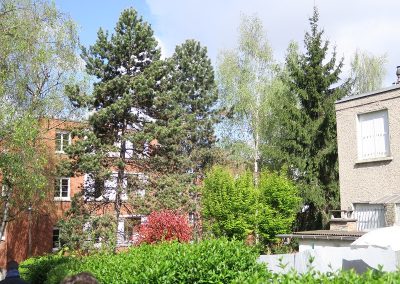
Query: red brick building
[34, 232]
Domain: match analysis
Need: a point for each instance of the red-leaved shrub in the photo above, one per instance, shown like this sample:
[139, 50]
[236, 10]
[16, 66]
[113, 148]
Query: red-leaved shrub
[165, 225]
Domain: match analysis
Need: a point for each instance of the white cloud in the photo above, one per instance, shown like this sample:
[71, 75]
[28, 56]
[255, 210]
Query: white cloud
[164, 50]
[364, 24]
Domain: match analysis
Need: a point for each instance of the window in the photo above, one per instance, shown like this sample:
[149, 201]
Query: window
[56, 239]
[132, 185]
[373, 135]
[128, 229]
[63, 139]
[62, 189]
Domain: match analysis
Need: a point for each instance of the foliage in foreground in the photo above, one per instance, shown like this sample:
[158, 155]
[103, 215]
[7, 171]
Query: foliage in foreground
[212, 261]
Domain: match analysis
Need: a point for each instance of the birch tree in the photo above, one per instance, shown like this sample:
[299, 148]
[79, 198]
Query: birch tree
[37, 57]
[367, 71]
[247, 77]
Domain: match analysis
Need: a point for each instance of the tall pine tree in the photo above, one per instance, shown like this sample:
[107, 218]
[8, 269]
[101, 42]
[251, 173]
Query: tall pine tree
[149, 115]
[306, 132]
[120, 105]
[184, 114]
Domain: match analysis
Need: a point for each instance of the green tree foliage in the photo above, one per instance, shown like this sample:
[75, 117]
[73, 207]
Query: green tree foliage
[184, 114]
[228, 205]
[120, 104]
[367, 71]
[233, 207]
[305, 133]
[23, 171]
[85, 233]
[248, 79]
[148, 115]
[279, 202]
[37, 58]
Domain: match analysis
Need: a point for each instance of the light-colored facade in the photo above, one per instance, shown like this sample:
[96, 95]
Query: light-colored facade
[368, 135]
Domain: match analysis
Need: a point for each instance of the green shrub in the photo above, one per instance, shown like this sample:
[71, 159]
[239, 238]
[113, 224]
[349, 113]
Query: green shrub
[35, 269]
[213, 261]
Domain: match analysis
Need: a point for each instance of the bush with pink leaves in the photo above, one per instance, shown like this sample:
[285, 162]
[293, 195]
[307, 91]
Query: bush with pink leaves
[165, 225]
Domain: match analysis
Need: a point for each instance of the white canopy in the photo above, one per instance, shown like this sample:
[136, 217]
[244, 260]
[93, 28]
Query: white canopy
[388, 238]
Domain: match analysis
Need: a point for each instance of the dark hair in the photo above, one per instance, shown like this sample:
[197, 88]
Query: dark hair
[81, 278]
[12, 264]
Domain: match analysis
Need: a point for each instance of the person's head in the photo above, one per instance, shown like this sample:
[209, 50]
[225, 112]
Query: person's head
[81, 278]
[12, 265]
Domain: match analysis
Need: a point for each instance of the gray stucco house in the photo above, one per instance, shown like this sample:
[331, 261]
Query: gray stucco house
[368, 136]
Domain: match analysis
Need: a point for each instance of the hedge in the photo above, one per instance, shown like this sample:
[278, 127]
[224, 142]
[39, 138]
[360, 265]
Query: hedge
[213, 261]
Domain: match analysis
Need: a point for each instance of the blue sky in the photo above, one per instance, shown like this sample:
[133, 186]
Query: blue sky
[367, 25]
[90, 15]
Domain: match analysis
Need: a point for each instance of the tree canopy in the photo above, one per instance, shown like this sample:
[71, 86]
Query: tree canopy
[306, 124]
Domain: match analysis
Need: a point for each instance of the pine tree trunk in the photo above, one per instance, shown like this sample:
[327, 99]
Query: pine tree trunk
[120, 181]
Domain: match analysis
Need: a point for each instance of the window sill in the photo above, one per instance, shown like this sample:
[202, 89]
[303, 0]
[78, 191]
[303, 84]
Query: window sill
[62, 199]
[373, 160]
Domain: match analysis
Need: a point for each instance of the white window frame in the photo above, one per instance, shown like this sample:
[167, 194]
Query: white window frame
[122, 238]
[56, 248]
[62, 143]
[363, 155]
[111, 185]
[60, 197]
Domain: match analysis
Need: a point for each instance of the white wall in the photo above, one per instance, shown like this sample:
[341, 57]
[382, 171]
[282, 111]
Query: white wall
[332, 259]
[307, 244]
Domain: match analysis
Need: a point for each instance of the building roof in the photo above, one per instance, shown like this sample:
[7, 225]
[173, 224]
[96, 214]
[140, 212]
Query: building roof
[391, 198]
[324, 235]
[363, 95]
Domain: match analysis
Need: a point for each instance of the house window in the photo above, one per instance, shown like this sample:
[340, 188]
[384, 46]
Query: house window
[63, 139]
[56, 239]
[128, 227]
[373, 135]
[62, 189]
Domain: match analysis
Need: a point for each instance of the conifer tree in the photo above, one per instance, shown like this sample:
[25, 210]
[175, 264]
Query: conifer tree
[149, 115]
[119, 104]
[306, 131]
[184, 114]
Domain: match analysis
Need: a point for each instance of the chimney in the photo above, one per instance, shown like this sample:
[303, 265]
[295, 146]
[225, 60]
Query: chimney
[398, 75]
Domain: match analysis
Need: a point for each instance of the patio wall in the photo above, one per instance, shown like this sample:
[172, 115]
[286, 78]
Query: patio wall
[333, 259]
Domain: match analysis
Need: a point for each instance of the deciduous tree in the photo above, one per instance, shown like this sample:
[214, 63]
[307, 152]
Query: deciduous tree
[248, 78]
[37, 57]
[367, 71]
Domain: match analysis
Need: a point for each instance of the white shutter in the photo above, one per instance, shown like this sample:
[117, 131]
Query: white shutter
[121, 231]
[367, 138]
[111, 187]
[373, 135]
[129, 149]
[380, 136]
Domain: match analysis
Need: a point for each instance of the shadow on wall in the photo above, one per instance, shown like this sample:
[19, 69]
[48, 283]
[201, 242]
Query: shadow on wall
[359, 265]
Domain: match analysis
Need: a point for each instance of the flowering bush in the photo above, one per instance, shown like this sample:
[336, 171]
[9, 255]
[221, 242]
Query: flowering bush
[165, 225]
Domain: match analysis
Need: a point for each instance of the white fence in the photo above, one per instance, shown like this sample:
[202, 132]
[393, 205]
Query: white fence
[333, 259]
